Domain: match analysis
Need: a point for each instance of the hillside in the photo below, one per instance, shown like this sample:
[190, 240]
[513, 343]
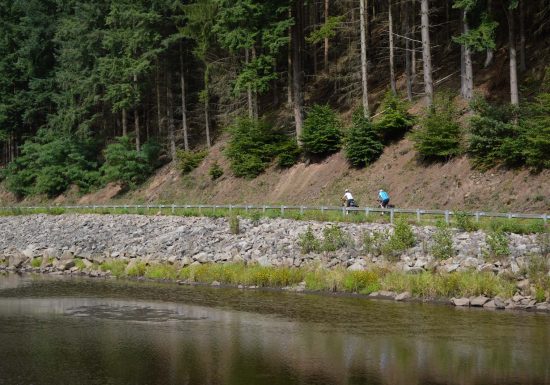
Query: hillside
[452, 185]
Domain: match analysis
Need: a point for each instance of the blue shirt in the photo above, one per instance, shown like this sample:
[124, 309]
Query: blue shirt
[383, 195]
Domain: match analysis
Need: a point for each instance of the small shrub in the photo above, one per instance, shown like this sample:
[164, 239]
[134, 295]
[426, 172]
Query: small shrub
[308, 242]
[36, 262]
[215, 171]
[289, 153]
[189, 160]
[543, 241]
[124, 164]
[498, 243]
[439, 135]
[464, 221]
[395, 121]
[334, 238]
[402, 239]
[373, 243]
[322, 134]
[79, 264]
[234, 224]
[363, 145]
[442, 247]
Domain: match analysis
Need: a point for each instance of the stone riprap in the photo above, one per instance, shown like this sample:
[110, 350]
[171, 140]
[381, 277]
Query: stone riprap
[64, 239]
[269, 242]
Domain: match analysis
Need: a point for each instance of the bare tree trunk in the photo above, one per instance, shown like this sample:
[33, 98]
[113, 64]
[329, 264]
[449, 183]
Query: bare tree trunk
[124, 123]
[248, 88]
[426, 53]
[364, 74]
[514, 94]
[468, 80]
[392, 68]
[406, 32]
[170, 116]
[489, 53]
[289, 61]
[297, 69]
[326, 39]
[159, 114]
[523, 63]
[207, 104]
[413, 41]
[136, 121]
[255, 91]
[183, 103]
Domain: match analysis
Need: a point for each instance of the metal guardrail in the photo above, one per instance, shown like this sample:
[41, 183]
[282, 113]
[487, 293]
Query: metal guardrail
[283, 208]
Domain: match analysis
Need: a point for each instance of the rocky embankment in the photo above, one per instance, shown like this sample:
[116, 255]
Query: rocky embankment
[78, 244]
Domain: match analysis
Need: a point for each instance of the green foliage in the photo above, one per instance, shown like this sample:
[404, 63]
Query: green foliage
[189, 160]
[402, 239]
[215, 171]
[536, 148]
[136, 269]
[498, 243]
[395, 121]
[464, 221]
[442, 247]
[308, 242]
[253, 145]
[79, 264]
[161, 271]
[115, 266]
[334, 238]
[364, 282]
[36, 262]
[234, 224]
[327, 30]
[363, 145]
[289, 153]
[439, 135]
[374, 242]
[50, 162]
[322, 133]
[126, 165]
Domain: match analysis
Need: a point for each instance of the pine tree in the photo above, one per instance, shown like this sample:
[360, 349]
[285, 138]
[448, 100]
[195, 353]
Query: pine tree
[363, 145]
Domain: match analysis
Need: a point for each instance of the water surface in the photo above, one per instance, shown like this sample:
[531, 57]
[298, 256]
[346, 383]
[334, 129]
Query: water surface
[84, 331]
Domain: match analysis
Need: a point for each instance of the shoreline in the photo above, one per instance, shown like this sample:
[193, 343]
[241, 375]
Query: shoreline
[475, 302]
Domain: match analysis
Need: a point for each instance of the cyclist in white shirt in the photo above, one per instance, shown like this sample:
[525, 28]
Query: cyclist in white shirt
[348, 199]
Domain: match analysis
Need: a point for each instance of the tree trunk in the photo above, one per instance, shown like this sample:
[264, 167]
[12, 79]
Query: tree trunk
[297, 68]
[159, 114]
[326, 39]
[170, 116]
[364, 74]
[426, 52]
[514, 94]
[206, 105]
[468, 69]
[248, 88]
[392, 68]
[523, 63]
[124, 123]
[413, 41]
[489, 53]
[255, 91]
[289, 61]
[136, 121]
[406, 32]
[183, 103]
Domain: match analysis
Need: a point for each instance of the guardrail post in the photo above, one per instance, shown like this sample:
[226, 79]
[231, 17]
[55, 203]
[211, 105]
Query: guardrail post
[447, 216]
[477, 216]
[230, 208]
[344, 210]
[391, 216]
[544, 218]
[509, 215]
[282, 211]
[367, 211]
[301, 210]
[263, 210]
[246, 208]
[418, 215]
[173, 209]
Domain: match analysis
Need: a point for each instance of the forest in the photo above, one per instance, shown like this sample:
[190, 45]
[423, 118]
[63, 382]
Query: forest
[98, 91]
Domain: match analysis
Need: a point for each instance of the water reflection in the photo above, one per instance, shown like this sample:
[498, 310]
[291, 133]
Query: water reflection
[120, 333]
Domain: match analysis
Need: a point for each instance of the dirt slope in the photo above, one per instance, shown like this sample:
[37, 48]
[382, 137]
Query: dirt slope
[450, 185]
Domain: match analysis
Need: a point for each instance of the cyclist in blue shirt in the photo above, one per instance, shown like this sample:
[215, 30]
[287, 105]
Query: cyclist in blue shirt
[383, 198]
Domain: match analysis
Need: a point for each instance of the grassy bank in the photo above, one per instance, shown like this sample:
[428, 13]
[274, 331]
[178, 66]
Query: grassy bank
[460, 220]
[427, 285]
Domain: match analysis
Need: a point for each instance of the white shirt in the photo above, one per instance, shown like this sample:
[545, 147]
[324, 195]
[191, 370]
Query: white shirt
[348, 196]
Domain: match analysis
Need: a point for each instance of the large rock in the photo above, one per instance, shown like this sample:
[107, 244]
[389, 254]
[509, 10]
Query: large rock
[479, 301]
[403, 296]
[16, 259]
[460, 301]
